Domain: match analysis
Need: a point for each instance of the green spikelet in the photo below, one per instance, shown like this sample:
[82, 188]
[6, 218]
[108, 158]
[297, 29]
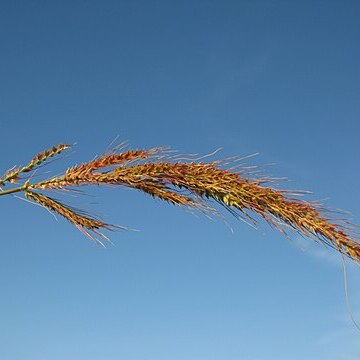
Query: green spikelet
[13, 175]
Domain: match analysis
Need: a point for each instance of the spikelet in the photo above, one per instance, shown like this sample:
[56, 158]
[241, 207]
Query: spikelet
[43, 156]
[162, 192]
[108, 160]
[85, 224]
[13, 174]
[80, 173]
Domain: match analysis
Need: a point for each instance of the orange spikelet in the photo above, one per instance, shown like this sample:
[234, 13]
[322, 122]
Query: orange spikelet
[85, 224]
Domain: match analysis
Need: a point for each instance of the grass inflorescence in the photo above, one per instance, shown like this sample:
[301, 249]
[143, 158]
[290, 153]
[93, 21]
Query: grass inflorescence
[189, 183]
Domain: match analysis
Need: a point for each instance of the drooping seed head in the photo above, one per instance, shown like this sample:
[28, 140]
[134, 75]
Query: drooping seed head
[205, 181]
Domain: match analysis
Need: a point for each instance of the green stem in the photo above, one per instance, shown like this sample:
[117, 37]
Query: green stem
[14, 190]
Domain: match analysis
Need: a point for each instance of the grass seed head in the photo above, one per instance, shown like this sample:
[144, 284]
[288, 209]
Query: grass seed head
[194, 184]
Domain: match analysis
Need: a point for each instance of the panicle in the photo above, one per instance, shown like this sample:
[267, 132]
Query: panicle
[194, 184]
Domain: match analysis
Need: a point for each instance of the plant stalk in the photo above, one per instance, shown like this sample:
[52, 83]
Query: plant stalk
[14, 190]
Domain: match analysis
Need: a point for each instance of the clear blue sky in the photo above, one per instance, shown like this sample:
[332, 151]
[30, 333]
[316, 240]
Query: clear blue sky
[276, 77]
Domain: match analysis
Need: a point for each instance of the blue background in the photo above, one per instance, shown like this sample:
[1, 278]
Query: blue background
[276, 77]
